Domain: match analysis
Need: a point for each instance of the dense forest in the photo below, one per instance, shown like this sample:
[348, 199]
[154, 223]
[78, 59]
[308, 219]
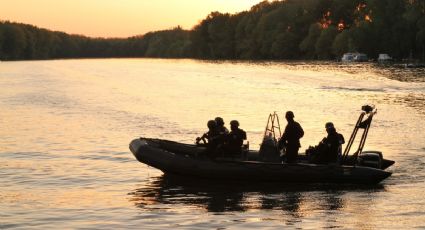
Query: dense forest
[289, 29]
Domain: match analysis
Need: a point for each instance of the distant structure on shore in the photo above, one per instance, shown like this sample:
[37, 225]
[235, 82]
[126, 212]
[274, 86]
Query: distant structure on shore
[384, 59]
[354, 57]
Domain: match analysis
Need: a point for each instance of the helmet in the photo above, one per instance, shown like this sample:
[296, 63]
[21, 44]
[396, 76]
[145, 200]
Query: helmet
[289, 114]
[211, 124]
[234, 123]
[329, 125]
[219, 121]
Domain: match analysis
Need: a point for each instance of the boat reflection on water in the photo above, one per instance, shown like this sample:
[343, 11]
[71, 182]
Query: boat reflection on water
[167, 191]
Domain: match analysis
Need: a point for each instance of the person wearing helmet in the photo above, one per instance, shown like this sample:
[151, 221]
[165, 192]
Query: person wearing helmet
[331, 148]
[291, 137]
[220, 126]
[210, 139]
[235, 139]
[222, 132]
[211, 135]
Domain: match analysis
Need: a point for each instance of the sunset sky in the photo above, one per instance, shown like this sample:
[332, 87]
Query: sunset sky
[115, 18]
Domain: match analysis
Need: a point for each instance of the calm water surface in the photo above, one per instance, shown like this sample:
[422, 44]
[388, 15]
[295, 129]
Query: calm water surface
[65, 127]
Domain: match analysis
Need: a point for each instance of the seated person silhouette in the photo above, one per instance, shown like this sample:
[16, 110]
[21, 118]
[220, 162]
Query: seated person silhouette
[329, 149]
[234, 139]
[210, 139]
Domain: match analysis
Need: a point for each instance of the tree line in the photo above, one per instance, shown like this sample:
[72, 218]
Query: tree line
[21, 41]
[290, 29]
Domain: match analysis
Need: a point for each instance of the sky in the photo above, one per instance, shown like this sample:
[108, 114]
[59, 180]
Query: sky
[115, 18]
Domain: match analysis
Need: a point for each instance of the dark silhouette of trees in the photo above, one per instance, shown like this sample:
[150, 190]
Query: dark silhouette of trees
[13, 42]
[324, 42]
[20, 41]
[290, 29]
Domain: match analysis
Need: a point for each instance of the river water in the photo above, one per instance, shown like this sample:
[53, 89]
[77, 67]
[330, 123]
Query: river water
[65, 126]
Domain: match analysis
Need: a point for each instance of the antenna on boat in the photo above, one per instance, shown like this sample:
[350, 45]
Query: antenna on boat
[364, 123]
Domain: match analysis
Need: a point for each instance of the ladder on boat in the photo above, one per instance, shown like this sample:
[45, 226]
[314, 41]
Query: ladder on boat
[272, 128]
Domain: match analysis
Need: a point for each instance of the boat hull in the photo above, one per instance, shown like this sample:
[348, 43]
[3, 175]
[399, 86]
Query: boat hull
[150, 152]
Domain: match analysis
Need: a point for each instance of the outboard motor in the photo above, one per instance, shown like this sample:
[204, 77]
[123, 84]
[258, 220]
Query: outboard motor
[371, 159]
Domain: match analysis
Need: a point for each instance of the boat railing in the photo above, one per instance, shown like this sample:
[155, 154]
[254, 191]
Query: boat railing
[363, 122]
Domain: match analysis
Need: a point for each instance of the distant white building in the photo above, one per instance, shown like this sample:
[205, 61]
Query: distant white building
[347, 57]
[354, 57]
[384, 58]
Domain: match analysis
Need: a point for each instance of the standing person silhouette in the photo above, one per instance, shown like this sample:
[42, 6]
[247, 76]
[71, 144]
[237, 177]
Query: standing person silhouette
[291, 138]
